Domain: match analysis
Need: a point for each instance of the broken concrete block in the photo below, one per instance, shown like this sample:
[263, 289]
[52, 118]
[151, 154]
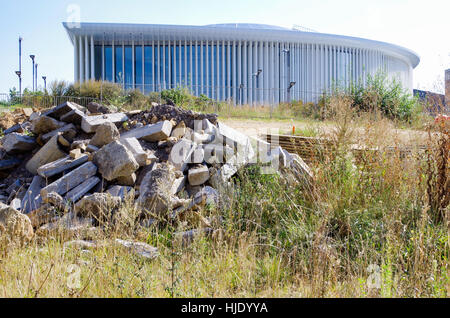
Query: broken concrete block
[198, 175]
[14, 224]
[180, 155]
[121, 192]
[16, 128]
[50, 152]
[9, 163]
[179, 131]
[76, 193]
[92, 148]
[115, 160]
[135, 147]
[32, 199]
[89, 124]
[75, 153]
[45, 214]
[60, 165]
[45, 124]
[139, 248]
[127, 180]
[222, 175]
[97, 205]
[27, 111]
[94, 108]
[178, 185]
[75, 117]
[156, 194]
[56, 200]
[152, 133]
[208, 127]
[71, 180]
[199, 155]
[68, 130]
[215, 153]
[17, 143]
[62, 109]
[63, 141]
[104, 134]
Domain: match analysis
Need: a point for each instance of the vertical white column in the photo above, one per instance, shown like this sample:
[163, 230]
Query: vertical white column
[249, 73]
[207, 79]
[224, 97]
[196, 69]
[123, 62]
[81, 60]
[269, 96]
[212, 73]
[239, 74]
[234, 73]
[86, 59]
[255, 79]
[169, 65]
[76, 69]
[92, 58]
[228, 83]
[201, 68]
[158, 71]
[267, 74]
[191, 70]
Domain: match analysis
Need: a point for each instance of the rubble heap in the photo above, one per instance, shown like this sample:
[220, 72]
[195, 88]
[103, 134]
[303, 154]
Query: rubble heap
[72, 166]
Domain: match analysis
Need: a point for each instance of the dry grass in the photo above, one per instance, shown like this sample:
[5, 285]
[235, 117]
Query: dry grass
[385, 217]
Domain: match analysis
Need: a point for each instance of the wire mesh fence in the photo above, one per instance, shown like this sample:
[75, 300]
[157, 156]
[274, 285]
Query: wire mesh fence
[229, 101]
[41, 101]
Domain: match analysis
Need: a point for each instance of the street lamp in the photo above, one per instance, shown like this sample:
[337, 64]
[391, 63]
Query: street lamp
[32, 58]
[35, 74]
[45, 83]
[291, 84]
[19, 72]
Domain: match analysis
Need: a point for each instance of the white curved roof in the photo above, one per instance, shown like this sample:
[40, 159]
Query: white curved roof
[237, 32]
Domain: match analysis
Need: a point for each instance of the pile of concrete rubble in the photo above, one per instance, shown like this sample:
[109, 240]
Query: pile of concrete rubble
[74, 166]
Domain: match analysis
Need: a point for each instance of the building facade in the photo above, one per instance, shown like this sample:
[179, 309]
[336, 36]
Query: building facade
[242, 63]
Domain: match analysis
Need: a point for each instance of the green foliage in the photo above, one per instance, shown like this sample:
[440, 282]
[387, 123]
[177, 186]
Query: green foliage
[378, 94]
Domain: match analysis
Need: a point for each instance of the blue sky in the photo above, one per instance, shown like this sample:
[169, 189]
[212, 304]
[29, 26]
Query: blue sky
[422, 26]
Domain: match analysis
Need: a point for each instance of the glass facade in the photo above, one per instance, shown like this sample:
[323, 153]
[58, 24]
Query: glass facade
[212, 68]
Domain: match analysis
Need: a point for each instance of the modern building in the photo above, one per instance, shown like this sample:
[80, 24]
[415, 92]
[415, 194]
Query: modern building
[243, 63]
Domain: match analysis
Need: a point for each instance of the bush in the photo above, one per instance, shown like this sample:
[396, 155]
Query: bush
[379, 94]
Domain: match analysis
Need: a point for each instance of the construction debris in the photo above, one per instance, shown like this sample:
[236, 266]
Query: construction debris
[86, 162]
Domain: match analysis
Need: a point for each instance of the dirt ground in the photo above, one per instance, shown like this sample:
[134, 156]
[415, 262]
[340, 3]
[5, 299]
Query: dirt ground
[385, 131]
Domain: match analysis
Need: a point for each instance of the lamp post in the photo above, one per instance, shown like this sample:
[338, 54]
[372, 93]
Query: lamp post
[19, 72]
[36, 76]
[45, 83]
[32, 58]
[291, 84]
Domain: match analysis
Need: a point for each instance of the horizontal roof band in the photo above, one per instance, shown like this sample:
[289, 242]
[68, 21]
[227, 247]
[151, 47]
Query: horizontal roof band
[158, 32]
